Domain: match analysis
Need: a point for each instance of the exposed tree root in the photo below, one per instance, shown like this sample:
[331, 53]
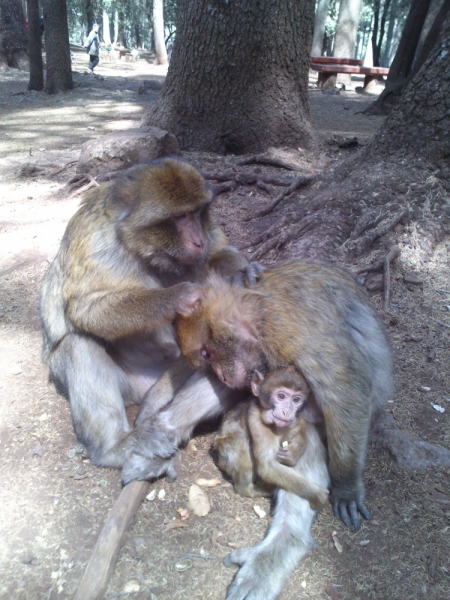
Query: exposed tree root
[393, 253]
[86, 182]
[408, 451]
[295, 185]
[227, 186]
[364, 243]
[247, 178]
[274, 157]
[66, 166]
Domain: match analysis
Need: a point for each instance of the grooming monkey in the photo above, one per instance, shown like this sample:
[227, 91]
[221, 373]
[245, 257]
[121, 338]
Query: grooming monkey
[129, 259]
[318, 319]
[261, 439]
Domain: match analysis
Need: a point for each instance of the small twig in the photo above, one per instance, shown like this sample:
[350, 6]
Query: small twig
[393, 253]
[69, 164]
[440, 322]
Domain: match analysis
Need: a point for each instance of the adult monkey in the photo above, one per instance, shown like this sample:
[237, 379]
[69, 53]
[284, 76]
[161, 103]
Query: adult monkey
[316, 318]
[128, 260]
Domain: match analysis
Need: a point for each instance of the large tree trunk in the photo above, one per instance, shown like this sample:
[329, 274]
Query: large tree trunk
[13, 36]
[158, 32]
[36, 81]
[319, 27]
[59, 68]
[238, 76]
[402, 176]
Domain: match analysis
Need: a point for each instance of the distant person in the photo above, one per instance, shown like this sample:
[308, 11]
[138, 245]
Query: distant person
[92, 48]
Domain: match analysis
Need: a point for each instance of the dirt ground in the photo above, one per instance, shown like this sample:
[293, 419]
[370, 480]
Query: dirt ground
[54, 502]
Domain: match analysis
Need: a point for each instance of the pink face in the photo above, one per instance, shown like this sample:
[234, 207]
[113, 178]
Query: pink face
[192, 237]
[285, 405]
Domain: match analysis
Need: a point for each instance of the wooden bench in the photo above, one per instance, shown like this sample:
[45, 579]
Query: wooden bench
[330, 67]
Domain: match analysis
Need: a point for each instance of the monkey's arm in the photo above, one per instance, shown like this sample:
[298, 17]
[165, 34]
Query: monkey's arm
[229, 263]
[111, 315]
[164, 390]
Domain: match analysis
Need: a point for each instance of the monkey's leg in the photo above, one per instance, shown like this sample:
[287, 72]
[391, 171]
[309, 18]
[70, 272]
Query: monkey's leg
[266, 567]
[95, 386]
[203, 397]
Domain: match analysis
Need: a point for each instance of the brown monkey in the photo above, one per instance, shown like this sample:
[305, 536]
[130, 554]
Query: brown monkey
[128, 260]
[317, 318]
[260, 440]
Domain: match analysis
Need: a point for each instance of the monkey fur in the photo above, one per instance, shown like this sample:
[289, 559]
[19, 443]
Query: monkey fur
[318, 319]
[253, 441]
[130, 257]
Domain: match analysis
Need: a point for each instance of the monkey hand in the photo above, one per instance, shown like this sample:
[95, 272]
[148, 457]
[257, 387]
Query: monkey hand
[248, 276]
[189, 298]
[347, 506]
[286, 457]
[149, 454]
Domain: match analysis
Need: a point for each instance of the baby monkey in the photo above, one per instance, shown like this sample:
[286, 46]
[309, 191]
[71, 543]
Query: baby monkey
[261, 439]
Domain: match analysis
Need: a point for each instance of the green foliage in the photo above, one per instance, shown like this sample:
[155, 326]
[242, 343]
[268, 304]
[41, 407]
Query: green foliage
[136, 19]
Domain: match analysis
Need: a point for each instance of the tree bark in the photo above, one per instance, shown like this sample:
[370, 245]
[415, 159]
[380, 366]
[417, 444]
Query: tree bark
[158, 32]
[319, 27]
[400, 70]
[347, 28]
[238, 76]
[13, 35]
[59, 67]
[36, 81]
[106, 30]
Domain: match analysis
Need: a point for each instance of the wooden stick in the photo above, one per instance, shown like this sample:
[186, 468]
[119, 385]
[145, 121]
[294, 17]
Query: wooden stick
[101, 566]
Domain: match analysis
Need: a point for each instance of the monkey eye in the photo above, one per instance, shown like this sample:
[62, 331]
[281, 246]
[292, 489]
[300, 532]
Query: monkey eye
[281, 396]
[296, 399]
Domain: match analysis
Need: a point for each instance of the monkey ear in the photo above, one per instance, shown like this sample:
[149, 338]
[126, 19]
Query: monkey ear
[257, 379]
[190, 304]
[245, 331]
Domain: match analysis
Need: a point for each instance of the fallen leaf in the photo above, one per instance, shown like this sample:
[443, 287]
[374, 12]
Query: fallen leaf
[191, 445]
[259, 511]
[161, 494]
[337, 543]
[184, 513]
[198, 501]
[440, 409]
[151, 496]
[175, 525]
[332, 592]
[131, 586]
[208, 482]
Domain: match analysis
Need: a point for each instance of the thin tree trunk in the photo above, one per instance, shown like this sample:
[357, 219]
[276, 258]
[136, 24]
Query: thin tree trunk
[36, 81]
[346, 28]
[106, 30]
[319, 27]
[158, 30]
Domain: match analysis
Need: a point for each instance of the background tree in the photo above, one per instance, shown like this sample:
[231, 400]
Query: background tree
[401, 69]
[319, 27]
[346, 28]
[59, 67]
[238, 76]
[36, 81]
[158, 32]
[13, 35]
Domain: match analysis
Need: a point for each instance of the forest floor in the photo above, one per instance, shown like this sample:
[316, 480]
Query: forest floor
[54, 502]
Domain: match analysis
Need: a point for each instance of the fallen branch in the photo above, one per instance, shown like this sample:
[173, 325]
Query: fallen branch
[69, 164]
[104, 556]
